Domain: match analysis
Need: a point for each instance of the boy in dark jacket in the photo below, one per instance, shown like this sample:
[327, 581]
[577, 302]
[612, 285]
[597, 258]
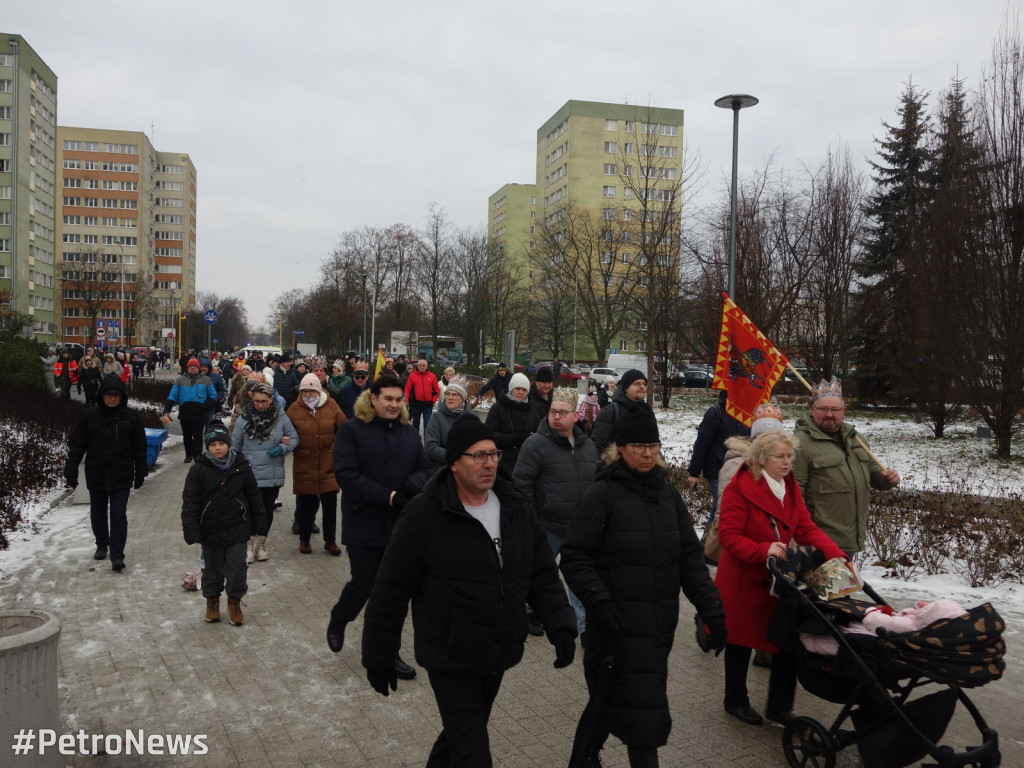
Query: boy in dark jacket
[111, 438]
[219, 504]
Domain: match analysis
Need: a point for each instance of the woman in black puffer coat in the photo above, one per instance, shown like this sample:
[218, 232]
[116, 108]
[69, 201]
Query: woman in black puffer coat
[511, 419]
[629, 549]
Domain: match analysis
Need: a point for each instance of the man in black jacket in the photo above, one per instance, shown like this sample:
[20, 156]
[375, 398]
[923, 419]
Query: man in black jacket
[469, 555]
[286, 381]
[629, 396]
[379, 464]
[111, 438]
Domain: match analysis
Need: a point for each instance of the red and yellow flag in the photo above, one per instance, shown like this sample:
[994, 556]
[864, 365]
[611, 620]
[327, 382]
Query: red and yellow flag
[379, 365]
[747, 366]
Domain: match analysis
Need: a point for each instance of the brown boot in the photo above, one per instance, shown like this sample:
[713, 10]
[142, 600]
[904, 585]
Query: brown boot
[235, 610]
[212, 609]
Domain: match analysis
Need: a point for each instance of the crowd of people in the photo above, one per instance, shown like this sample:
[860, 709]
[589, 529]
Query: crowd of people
[471, 520]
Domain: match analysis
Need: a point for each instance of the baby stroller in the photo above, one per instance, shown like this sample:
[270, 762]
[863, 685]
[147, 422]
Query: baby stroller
[873, 677]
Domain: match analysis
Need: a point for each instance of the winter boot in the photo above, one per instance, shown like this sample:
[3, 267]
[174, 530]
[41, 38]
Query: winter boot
[235, 610]
[261, 549]
[250, 550]
[212, 609]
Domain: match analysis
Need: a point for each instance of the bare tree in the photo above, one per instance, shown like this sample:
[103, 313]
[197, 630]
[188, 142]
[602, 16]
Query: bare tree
[89, 286]
[434, 268]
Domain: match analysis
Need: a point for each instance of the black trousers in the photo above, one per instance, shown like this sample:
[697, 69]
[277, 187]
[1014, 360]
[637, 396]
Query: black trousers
[269, 495]
[363, 563]
[306, 505]
[465, 707]
[781, 682]
[192, 433]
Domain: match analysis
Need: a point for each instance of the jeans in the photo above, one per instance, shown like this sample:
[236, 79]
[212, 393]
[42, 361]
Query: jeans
[224, 570]
[464, 704]
[421, 410]
[363, 564]
[306, 505]
[556, 542]
[115, 534]
[713, 484]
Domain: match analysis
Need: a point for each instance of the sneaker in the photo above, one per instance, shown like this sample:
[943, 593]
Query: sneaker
[402, 670]
[331, 548]
[100, 554]
[533, 625]
[304, 548]
[278, 504]
[117, 563]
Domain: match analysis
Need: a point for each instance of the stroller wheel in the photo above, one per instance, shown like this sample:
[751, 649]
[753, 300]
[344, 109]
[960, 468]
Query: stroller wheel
[806, 743]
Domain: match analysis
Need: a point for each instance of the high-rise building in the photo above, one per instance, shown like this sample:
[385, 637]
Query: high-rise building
[511, 215]
[605, 219]
[127, 235]
[28, 130]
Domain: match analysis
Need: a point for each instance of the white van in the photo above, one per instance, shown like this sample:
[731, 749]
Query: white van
[625, 362]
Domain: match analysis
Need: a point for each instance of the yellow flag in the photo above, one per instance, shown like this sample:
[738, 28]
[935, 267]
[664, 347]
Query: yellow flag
[379, 365]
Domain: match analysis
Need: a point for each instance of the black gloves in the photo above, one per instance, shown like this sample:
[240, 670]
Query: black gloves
[398, 501]
[605, 618]
[382, 679]
[718, 637]
[565, 647]
[140, 478]
[71, 480]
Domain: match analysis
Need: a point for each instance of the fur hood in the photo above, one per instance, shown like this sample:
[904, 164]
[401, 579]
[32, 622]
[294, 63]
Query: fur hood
[365, 413]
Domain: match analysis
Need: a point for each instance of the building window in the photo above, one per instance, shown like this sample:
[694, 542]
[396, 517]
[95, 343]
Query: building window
[606, 257]
[608, 214]
[625, 258]
[610, 169]
[611, 125]
[624, 345]
[608, 191]
[611, 147]
[5, 245]
[5, 192]
[5, 165]
[5, 139]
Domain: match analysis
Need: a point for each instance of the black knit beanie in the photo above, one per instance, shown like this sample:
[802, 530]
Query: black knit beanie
[630, 376]
[637, 425]
[545, 374]
[216, 432]
[467, 430]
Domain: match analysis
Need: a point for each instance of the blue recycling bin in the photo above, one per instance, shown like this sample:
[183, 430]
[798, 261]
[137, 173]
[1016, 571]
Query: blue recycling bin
[154, 442]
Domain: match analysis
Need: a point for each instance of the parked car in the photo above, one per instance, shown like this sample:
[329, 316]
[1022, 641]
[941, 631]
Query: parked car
[692, 379]
[567, 376]
[601, 375]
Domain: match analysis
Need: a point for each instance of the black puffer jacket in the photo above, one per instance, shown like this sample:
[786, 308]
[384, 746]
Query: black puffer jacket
[113, 442]
[221, 507]
[715, 428]
[608, 419]
[468, 610]
[372, 458]
[632, 542]
[553, 475]
[510, 420]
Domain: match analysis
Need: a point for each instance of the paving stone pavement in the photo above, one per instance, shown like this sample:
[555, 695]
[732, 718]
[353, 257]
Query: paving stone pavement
[136, 654]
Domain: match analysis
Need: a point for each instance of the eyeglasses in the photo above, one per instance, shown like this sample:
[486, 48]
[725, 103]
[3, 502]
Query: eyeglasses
[643, 448]
[558, 413]
[781, 456]
[358, 375]
[260, 402]
[481, 456]
[830, 410]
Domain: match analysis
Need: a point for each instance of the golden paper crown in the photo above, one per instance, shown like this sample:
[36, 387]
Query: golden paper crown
[824, 388]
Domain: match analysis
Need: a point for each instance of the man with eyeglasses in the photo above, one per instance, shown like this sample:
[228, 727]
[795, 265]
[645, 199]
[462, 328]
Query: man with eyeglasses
[469, 554]
[834, 472]
[379, 464]
[556, 467]
[360, 383]
[630, 396]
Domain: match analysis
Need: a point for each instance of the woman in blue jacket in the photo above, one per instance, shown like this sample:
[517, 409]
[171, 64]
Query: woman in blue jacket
[265, 435]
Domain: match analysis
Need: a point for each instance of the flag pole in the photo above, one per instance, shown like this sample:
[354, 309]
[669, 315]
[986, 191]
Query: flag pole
[860, 442]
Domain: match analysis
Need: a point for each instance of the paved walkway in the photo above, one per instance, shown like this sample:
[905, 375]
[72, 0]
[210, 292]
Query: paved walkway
[136, 654]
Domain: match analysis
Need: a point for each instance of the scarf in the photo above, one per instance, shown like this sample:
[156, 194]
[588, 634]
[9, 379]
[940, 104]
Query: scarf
[260, 424]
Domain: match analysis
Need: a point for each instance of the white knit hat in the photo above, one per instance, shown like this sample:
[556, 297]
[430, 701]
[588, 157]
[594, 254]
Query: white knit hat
[519, 381]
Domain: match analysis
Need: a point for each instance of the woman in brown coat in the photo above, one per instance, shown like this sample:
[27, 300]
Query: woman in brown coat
[316, 418]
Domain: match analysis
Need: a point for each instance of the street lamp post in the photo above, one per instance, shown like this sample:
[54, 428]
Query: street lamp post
[735, 102]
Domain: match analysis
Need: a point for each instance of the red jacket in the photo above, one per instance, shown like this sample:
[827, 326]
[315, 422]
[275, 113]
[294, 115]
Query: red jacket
[421, 388]
[745, 532]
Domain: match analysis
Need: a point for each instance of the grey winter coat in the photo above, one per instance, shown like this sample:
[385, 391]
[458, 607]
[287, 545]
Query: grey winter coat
[269, 470]
[436, 434]
[553, 475]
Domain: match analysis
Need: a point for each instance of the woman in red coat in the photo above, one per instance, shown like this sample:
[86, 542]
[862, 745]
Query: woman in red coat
[316, 417]
[762, 513]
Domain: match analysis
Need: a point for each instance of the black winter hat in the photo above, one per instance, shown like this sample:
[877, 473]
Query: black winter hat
[216, 432]
[545, 374]
[467, 430]
[629, 377]
[637, 425]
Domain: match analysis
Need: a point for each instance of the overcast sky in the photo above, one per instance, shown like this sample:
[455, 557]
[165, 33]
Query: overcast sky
[311, 118]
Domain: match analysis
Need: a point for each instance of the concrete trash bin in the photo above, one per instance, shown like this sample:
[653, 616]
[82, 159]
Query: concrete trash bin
[28, 684]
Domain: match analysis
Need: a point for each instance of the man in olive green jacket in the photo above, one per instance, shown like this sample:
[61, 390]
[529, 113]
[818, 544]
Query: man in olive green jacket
[834, 472]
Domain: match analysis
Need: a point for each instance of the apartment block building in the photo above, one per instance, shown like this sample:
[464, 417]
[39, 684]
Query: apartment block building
[608, 178]
[127, 235]
[28, 131]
